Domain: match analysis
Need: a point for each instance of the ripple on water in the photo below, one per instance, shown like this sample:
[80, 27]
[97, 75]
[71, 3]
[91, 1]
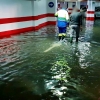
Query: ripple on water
[26, 61]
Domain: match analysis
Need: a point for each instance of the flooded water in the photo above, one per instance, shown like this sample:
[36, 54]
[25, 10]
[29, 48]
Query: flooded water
[35, 66]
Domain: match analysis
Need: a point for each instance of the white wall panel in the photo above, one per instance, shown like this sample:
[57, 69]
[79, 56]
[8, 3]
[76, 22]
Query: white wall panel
[22, 8]
[13, 26]
[39, 7]
[13, 8]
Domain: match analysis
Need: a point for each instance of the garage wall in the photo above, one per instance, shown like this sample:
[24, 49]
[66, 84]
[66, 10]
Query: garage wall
[18, 16]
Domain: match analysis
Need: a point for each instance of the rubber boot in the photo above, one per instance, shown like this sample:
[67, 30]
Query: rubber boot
[76, 40]
[60, 37]
[71, 39]
[63, 37]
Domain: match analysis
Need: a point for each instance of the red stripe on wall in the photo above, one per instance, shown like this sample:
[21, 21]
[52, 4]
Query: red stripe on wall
[90, 12]
[70, 9]
[27, 18]
[90, 18]
[69, 13]
[23, 30]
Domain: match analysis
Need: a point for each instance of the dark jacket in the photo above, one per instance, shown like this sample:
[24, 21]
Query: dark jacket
[76, 18]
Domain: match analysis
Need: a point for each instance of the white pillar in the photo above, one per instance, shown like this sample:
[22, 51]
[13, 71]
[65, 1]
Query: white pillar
[90, 11]
[70, 7]
[78, 5]
[52, 9]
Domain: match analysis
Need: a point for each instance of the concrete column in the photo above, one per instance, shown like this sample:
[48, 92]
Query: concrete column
[70, 7]
[51, 9]
[90, 11]
[78, 5]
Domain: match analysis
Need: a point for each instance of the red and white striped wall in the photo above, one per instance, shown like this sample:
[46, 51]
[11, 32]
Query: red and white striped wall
[90, 11]
[70, 7]
[18, 16]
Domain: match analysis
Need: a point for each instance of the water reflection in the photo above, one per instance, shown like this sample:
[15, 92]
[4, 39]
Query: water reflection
[57, 44]
[89, 30]
[7, 50]
[82, 51]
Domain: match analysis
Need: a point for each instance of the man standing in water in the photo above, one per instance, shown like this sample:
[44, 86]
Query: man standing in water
[62, 22]
[75, 24]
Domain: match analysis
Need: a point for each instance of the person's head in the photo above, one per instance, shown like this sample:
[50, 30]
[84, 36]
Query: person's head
[75, 9]
[64, 7]
[83, 9]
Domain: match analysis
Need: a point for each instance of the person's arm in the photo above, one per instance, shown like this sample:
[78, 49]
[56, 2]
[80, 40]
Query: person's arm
[56, 14]
[70, 17]
[81, 22]
[67, 18]
[80, 19]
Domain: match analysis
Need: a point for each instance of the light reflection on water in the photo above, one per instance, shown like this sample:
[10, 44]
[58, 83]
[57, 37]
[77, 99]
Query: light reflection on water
[26, 60]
